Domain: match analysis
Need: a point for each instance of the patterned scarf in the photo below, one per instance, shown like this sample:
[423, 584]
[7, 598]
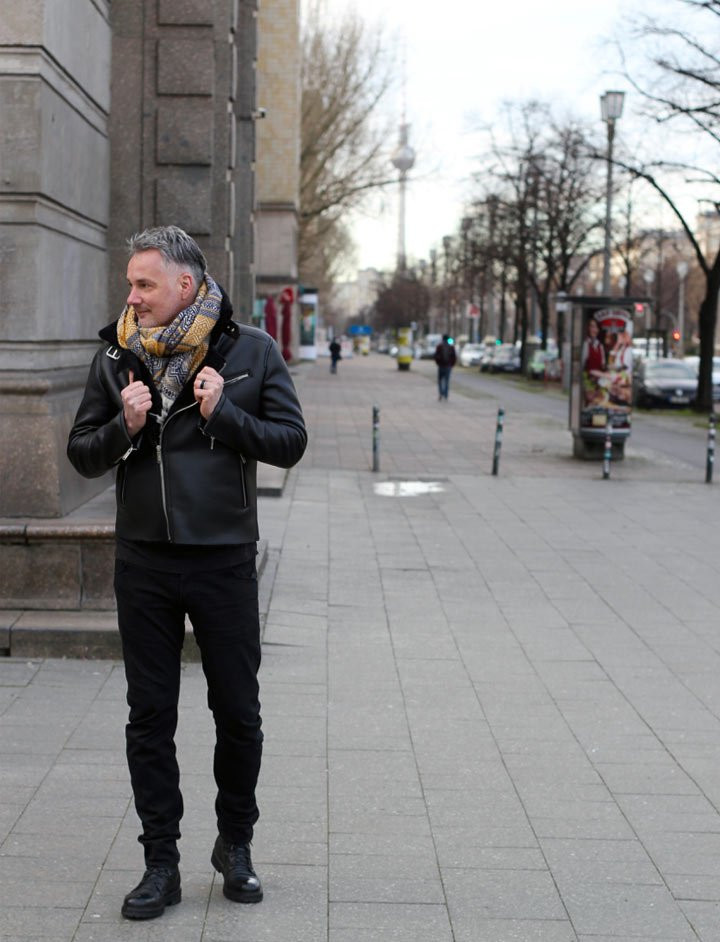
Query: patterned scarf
[172, 353]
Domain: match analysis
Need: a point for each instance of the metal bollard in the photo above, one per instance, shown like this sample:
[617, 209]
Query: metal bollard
[498, 440]
[710, 461]
[607, 453]
[376, 438]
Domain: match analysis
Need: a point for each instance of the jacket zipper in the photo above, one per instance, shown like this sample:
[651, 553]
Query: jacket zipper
[242, 480]
[158, 452]
[236, 379]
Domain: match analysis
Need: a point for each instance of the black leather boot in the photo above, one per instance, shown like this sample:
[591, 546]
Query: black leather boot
[159, 887]
[241, 883]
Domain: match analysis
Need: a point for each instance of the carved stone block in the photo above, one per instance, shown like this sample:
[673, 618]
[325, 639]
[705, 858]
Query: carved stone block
[186, 67]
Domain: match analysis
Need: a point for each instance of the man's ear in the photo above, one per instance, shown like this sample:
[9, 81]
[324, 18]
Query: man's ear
[187, 285]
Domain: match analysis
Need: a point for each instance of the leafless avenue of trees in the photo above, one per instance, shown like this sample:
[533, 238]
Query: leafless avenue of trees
[347, 71]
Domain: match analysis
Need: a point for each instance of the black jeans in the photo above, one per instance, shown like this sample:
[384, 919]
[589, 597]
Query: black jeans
[223, 608]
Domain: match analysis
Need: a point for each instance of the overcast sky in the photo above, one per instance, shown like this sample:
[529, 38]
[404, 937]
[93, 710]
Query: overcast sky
[463, 59]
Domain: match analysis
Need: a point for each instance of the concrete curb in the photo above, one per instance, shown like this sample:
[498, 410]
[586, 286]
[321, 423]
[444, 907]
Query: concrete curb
[78, 634]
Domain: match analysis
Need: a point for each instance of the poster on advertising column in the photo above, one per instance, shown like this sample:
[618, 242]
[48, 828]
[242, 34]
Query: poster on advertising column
[602, 367]
[606, 359]
[308, 321]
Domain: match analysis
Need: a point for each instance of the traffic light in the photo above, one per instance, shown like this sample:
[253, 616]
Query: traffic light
[676, 335]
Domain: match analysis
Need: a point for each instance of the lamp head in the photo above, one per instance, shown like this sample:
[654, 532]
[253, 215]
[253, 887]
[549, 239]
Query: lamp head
[611, 105]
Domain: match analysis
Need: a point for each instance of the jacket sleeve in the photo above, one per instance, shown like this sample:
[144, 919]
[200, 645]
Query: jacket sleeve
[98, 439]
[277, 434]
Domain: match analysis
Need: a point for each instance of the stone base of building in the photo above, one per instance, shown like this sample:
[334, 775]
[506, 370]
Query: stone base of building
[37, 410]
[56, 583]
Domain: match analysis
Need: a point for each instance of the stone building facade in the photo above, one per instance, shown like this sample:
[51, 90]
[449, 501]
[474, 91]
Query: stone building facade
[54, 214]
[182, 132]
[116, 116]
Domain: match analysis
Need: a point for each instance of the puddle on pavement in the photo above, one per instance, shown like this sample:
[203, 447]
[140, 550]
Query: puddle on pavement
[407, 488]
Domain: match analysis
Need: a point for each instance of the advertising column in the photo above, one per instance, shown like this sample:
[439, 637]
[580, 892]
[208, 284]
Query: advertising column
[308, 322]
[405, 347]
[601, 384]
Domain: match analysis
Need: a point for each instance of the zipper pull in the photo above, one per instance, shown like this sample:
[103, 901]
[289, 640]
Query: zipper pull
[212, 442]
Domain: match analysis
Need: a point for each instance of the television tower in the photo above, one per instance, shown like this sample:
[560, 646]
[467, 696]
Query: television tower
[403, 160]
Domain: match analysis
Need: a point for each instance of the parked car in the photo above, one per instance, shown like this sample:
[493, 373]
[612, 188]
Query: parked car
[505, 360]
[471, 354]
[664, 383]
[695, 363]
[428, 346]
[487, 357]
[544, 364]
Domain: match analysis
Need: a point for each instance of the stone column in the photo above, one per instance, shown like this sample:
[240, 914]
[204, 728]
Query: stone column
[182, 132]
[54, 160]
[277, 182]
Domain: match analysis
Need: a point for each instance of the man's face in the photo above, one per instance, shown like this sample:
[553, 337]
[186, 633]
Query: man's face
[158, 290]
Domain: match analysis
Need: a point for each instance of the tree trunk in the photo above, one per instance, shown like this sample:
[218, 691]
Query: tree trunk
[708, 319]
[544, 302]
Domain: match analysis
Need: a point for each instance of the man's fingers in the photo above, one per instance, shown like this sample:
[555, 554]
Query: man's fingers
[131, 377]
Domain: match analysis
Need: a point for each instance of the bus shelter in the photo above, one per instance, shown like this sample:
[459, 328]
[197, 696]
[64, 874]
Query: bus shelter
[601, 382]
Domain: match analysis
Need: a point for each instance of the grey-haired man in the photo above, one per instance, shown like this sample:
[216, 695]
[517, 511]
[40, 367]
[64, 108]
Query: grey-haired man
[184, 402]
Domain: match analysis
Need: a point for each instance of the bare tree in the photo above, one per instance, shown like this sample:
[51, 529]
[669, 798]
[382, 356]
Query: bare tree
[401, 300]
[345, 77]
[549, 197]
[683, 89]
[568, 192]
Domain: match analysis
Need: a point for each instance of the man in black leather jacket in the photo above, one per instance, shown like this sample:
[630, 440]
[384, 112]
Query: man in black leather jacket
[184, 402]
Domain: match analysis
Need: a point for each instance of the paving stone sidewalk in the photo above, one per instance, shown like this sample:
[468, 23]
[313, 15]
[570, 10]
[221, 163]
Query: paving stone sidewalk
[492, 709]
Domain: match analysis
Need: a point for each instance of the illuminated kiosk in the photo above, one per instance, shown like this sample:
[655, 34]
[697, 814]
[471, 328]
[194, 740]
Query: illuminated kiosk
[601, 368]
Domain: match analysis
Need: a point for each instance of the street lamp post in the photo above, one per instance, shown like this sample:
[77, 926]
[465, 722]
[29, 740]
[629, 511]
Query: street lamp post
[682, 270]
[447, 242]
[611, 106]
[491, 327]
[648, 278]
[433, 293]
[467, 281]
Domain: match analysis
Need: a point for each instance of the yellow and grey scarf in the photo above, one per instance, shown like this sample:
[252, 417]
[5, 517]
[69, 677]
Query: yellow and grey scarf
[172, 353]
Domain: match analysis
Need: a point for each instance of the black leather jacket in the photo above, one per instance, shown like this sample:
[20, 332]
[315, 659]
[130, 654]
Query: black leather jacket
[186, 480]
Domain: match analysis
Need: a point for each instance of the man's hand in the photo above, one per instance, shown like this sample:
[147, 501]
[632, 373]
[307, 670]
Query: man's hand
[208, 388]
[137, 401]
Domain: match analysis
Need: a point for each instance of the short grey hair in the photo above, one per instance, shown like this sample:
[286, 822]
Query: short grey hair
[176, 247]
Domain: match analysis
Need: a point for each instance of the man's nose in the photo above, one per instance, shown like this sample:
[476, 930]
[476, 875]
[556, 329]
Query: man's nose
[134, 297]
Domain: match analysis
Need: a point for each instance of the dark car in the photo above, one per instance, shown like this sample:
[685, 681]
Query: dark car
[665, 383]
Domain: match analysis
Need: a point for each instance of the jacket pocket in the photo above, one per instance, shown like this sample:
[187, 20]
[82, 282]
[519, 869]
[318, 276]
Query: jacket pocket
[246, 374]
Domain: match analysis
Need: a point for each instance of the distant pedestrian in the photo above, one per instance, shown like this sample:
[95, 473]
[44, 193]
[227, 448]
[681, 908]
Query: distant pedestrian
[335, 355]
[445, 359]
